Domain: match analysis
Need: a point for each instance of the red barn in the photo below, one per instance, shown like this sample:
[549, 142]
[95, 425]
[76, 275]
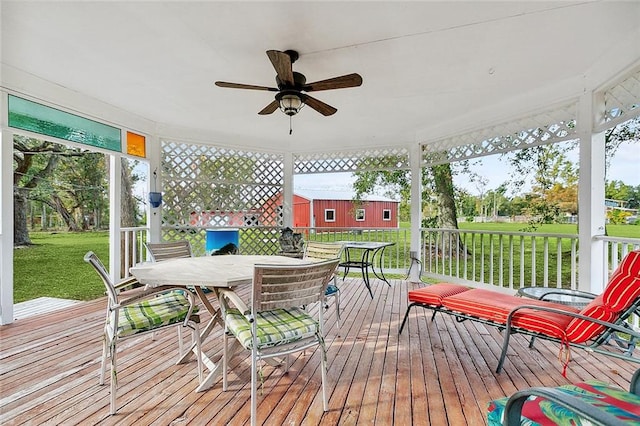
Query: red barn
[339, 209]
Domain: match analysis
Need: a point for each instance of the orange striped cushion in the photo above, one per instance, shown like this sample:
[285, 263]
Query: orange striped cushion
[433, 294]
[624, 285]
[579, 331]
[496, 306]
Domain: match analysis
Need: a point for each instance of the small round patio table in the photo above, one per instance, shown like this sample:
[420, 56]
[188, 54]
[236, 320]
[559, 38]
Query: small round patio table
[575, 298]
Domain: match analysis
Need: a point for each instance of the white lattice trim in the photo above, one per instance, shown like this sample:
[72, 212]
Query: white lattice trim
[206, 186]
[622, 100]
[373, 159]
[550, 126]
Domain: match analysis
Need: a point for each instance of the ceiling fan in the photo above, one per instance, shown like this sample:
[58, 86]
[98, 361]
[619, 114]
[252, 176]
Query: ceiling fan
[291, 85]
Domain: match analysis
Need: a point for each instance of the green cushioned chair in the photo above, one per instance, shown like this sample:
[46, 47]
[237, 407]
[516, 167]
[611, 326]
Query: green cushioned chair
[276, 325]
[147, 310]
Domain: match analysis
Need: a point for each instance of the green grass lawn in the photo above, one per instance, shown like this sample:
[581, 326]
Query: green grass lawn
[627, 231]
[54, 266]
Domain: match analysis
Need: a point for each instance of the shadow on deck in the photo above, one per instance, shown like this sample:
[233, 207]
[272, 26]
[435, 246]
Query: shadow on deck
[437, 373]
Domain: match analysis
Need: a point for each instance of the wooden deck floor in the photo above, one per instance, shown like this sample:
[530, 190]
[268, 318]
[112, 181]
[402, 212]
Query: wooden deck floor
[437, 373]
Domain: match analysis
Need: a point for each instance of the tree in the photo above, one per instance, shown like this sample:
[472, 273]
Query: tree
[552, 174]
[129, 214]
[633, 201]
[30, 168]
[71, 181]
[618, 190]
[437, 184]
[626, 132]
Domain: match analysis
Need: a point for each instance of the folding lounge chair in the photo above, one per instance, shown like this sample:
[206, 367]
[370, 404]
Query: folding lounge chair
[588, 328]
[587, 403]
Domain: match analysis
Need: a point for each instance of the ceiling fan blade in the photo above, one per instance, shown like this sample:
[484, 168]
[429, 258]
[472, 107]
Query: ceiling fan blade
[269, 109]
[281, 61]
[342, 82]
[244, 86]
[319, 106]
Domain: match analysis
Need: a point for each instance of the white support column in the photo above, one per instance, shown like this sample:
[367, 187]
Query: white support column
[6, 224]
[287, 195]
[115, 184]
[154, 214]
[416, 209]
[591, 209]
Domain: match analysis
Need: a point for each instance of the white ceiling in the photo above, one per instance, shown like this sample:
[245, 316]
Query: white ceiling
[429, 68]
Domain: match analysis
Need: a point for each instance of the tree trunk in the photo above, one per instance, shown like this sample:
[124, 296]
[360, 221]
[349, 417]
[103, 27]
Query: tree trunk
[20, 231]
[443, 182]
[127, 201]
[69, 220]
[449, 245]
[127, 213]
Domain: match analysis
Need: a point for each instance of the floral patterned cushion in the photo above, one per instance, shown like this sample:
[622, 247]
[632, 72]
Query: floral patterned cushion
[538, 411]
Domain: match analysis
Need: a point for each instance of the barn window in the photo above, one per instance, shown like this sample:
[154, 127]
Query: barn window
[330, 215]
[386, 214]
[360, 215]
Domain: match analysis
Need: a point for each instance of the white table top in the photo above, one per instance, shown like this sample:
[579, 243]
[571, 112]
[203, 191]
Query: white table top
[207, 271]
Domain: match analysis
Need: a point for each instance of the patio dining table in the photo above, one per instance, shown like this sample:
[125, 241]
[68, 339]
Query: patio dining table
[211, 272]
[366, 262]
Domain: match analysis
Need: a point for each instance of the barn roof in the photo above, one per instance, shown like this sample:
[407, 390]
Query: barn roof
[338, 195]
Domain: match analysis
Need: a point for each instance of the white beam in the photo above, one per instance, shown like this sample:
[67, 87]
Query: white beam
[591, 210]
[154, 183]
[287, 195]
[415, 156]
[6, 224]
[115, 183]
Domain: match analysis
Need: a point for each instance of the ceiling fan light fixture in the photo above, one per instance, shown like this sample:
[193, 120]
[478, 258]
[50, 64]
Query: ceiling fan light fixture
[290, 103]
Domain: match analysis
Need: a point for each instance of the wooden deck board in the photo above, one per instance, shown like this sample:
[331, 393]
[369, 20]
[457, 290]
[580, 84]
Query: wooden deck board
[436, 372]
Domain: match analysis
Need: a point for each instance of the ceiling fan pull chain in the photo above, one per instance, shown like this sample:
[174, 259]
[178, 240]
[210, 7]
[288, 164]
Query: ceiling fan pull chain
[290, 129]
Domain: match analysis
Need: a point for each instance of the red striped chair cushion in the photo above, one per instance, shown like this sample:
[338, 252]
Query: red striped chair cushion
[579, 330]
[495, 306]
[624, 285]
[433, 294]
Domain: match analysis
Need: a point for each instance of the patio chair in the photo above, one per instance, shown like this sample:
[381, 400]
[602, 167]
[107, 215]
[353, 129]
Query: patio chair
[316, 251]
[170, 250]
[591, 402]
[588, 328]
[145, 311]
[275, 325]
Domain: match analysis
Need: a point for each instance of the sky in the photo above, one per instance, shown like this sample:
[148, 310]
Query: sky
[625, 167]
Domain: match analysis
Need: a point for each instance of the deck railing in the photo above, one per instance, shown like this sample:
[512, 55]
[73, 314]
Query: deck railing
[504, 260]
[615, 249]
[511, 260]
[396, 258]
[132, 248]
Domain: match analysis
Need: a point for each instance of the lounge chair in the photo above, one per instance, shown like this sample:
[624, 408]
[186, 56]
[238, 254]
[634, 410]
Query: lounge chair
[591, 402]
[588, 328]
